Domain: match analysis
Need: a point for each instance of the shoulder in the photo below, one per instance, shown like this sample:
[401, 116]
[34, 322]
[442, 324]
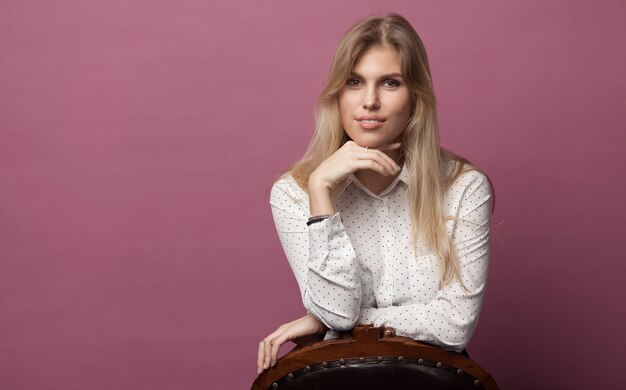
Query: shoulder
[287, 190]
[461, 174]
[469, 189]
[471, 177]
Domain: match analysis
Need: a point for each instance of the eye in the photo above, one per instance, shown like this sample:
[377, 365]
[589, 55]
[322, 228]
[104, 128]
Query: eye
[353, 82]
[391, 83]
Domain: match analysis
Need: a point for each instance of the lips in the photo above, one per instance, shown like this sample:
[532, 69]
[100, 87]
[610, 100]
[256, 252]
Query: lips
[370, 118]
[370, 121]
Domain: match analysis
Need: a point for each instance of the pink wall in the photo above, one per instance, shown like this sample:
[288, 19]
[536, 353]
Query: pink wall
[138, 142]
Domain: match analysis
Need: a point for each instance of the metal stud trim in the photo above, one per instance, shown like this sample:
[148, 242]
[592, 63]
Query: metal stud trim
[356, 361]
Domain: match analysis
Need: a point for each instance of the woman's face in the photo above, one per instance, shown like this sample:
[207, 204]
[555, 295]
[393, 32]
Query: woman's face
[375, 103]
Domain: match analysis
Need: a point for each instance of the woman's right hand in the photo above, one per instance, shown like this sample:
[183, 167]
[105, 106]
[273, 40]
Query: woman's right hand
[349, 158]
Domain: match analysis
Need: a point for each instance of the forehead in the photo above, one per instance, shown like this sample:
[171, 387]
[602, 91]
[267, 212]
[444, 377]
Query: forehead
[378, 60]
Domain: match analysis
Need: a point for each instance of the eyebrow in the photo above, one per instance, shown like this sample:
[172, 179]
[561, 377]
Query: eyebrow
[385, 76]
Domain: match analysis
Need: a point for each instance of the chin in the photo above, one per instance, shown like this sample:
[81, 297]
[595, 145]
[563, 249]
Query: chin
[370, 142]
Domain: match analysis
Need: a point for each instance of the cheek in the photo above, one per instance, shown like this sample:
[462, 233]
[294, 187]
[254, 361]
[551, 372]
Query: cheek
[346, 107]
[402, 107]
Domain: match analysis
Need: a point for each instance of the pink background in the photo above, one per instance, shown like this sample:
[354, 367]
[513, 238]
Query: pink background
[139, 140]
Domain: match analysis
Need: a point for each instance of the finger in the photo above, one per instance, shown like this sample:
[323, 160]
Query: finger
[370, 164]
[384, 147]
[349, 144]
[267, 350]
[275, 347]
[393, 164]
[380, 159]
[260, 356]
[389, 147]
[270, 345]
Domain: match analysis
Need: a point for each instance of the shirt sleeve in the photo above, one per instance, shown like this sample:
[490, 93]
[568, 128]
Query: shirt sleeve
[449, 320]
[321, 257]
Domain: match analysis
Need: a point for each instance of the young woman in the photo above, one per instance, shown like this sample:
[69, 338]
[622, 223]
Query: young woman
[379, 223]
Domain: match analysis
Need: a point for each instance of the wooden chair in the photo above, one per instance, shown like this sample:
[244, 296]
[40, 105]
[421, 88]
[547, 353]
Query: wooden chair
[369, 357]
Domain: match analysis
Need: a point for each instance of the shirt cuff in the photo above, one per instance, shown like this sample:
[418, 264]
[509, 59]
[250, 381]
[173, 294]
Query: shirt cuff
[326, 234]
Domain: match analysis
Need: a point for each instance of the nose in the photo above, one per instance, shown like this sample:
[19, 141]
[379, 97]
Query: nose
[370, 98]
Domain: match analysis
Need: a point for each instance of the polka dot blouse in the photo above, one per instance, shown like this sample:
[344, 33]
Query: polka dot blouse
[359, 267]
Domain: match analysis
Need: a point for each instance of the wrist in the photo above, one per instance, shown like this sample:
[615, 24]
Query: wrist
[317, 185]
[318, 218]
[321, 328]
[320, 198]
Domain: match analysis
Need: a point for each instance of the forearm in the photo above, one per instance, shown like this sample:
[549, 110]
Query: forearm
[333, 291]
[442, 322]
[320, 199]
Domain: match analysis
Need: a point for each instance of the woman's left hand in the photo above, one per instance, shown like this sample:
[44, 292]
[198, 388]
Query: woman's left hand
[291, 331]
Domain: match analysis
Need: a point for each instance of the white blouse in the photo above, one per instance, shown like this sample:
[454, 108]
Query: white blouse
[359, 267]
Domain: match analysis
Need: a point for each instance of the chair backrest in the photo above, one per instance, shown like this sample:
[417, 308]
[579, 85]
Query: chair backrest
[369, 357]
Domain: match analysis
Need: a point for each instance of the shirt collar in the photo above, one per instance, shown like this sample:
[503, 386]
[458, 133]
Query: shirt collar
[351, 179]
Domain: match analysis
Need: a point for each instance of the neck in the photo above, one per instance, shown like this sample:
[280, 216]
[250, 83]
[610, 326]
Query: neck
[376, 182]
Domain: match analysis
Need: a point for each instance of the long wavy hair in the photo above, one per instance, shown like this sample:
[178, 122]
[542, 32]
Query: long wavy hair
[425, 159]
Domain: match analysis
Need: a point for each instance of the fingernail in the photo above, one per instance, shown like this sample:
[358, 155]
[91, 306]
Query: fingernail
[266, 365]
[258, 370]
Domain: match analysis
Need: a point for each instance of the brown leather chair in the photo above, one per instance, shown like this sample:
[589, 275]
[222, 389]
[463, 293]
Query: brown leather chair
[369, 357]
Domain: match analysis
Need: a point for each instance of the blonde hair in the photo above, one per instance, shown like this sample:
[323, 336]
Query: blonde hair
[425, 159]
